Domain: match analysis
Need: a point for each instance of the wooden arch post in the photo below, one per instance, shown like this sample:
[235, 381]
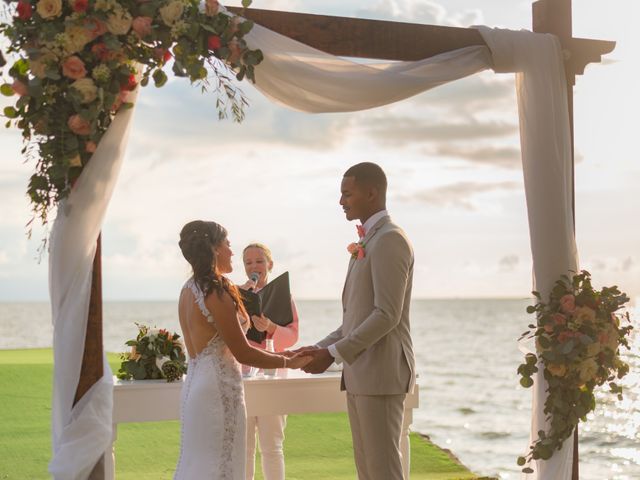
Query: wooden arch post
[376, 39]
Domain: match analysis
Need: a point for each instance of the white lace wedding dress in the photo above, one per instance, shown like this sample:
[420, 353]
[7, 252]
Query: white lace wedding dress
[212, 411]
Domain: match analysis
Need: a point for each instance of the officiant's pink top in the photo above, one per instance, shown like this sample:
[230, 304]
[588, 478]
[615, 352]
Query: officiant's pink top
[283, 337]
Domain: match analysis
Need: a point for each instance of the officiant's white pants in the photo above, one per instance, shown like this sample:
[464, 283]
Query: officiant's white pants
[270, 430]
[376, 426]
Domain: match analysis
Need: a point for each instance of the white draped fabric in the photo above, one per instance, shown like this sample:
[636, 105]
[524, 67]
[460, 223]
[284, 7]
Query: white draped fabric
[305, 79]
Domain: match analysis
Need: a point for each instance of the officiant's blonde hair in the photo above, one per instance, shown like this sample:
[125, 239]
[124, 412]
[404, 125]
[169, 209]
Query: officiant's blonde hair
[264, 248]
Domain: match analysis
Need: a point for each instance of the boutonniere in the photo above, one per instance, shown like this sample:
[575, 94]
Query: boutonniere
[356, 250]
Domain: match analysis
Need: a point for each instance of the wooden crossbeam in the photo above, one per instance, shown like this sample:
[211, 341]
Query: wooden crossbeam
[362, 38]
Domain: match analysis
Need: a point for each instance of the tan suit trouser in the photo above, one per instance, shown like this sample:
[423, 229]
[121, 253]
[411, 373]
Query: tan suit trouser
[376, 425]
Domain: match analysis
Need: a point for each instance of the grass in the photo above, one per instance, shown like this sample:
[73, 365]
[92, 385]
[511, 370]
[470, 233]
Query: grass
[316, 446]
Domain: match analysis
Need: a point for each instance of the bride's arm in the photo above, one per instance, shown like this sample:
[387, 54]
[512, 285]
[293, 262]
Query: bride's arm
[226, 322]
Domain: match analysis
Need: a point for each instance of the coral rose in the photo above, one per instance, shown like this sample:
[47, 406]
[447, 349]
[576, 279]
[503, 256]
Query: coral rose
[73, 68]
[142, 26]
[94, 27]
[49, 9]
[79, 125]
[567, 303]
[559, 319]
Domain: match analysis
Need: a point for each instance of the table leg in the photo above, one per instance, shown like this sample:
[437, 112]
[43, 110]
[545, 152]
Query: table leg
[405, 448]
[110, 457]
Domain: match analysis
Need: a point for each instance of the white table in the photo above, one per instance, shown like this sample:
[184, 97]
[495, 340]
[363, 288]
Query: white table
[289, 392]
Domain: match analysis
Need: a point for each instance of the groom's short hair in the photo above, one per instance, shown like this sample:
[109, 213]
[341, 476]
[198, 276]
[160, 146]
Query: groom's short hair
[369, 173]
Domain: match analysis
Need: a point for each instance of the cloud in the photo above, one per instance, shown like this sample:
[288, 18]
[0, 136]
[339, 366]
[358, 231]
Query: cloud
[499, 156]
[508, 263]
[466, 97]
[627, 264]
[415, 11]
[457, 195]
[404, 130]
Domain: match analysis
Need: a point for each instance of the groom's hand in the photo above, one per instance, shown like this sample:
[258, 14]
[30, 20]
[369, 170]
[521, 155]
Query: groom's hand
[322, 359]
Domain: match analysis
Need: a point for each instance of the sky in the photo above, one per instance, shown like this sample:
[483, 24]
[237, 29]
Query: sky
[451, 156]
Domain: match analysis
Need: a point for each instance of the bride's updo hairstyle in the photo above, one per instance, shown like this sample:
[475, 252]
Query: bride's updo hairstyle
[197, 241]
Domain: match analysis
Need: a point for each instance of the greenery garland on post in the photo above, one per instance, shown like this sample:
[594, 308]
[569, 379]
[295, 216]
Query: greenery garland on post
[77, 61]
[578, 336]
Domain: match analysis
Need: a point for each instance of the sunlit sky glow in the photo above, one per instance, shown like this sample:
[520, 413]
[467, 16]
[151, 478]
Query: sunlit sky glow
[451, 155]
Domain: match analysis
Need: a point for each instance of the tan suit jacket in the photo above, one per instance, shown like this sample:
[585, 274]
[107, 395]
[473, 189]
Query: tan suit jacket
[374, 339]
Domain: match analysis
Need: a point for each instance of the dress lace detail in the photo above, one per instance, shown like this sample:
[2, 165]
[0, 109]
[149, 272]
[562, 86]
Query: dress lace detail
[199, 297]
[213, 411]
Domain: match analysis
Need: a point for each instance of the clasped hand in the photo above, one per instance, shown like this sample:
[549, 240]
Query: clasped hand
[321, 359]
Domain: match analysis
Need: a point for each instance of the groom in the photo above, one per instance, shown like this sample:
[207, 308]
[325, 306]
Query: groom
[373, 341]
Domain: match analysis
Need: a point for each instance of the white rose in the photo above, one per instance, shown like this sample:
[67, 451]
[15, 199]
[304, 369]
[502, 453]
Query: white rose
[75, 39]
[588, 369]
[87, 88]
[171, 12]
[48, 9]
[119, 22]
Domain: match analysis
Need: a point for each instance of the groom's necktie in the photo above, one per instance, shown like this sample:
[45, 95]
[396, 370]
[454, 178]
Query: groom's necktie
[361, 231]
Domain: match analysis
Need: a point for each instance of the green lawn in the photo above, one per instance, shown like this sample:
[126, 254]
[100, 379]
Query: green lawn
[316, 446]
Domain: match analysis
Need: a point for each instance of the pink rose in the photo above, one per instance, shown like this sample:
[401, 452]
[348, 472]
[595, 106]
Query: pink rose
[73, 68]
[95, 27]
[142, 26]
[559, 319]
[548, 328]
[568, 303]
[90, 146]
[79, 125]
[20, 88]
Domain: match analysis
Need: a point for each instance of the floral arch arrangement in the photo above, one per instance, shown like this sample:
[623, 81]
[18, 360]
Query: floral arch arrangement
[578, 336]
[76, 61]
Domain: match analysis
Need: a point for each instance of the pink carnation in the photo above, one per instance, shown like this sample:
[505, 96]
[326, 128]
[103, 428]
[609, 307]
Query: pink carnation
[73, 68]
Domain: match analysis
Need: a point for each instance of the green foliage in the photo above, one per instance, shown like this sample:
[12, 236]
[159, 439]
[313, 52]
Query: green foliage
[110, 46]
[578, 336]
[154, 354]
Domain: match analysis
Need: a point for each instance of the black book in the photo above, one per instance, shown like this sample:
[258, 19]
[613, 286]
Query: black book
[274, 301]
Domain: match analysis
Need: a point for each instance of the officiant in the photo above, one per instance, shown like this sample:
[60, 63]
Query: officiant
[269, 429]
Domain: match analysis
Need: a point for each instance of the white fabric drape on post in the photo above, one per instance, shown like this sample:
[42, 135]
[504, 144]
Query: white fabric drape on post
[306, 79]
[81, 433]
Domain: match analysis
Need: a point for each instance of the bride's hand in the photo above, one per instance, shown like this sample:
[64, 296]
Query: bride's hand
[298, 361]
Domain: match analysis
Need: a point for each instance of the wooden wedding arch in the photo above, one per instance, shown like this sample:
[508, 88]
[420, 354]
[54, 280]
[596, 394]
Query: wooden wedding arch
[372, 39]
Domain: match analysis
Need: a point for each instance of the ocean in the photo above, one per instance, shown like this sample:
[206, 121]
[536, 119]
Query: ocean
[467, 356]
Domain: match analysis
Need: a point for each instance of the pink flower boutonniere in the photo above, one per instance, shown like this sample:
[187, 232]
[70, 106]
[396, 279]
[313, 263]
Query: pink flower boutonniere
[356, 250]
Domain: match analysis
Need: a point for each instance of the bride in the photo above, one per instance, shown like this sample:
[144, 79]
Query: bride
[214, 323]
